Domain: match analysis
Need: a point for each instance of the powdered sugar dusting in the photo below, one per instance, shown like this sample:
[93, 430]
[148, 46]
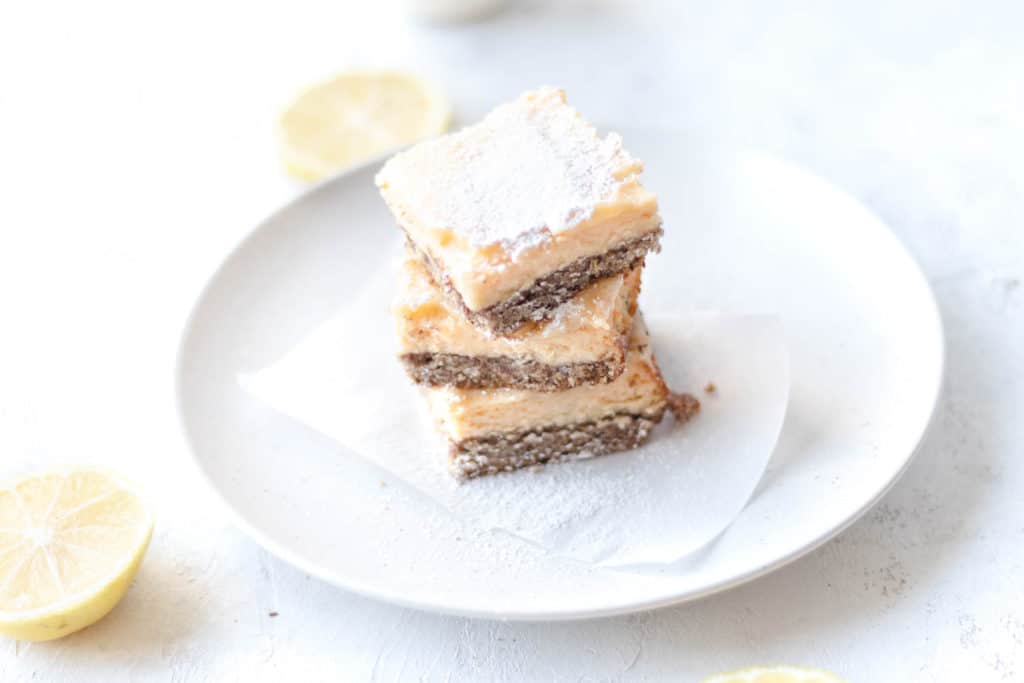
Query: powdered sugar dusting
[531, 168]
[571, 313]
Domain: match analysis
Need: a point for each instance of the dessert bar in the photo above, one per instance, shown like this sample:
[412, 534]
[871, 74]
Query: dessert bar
[517, 214]
[500, 430]
[584, 343]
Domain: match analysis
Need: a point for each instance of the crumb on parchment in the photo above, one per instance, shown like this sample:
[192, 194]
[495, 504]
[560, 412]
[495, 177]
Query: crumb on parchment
[683, 406]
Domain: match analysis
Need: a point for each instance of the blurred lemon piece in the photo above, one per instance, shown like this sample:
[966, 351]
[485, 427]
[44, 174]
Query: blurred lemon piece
[70, 544]
[356, 116]
[775, 674]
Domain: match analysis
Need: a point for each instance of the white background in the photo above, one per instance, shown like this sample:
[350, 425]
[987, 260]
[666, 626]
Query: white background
[136, 148]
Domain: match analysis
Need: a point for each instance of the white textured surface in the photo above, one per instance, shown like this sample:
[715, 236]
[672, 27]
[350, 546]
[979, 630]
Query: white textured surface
[136, 149]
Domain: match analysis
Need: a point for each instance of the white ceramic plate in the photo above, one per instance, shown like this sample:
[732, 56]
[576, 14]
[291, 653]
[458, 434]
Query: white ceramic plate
[743, 233]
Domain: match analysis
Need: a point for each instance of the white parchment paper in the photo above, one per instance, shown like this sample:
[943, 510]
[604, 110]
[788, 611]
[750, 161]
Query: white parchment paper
[653, 505]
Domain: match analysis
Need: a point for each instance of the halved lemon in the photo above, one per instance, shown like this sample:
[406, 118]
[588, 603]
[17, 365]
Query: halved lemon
[775, 674]
[70, 543]
[356, 116]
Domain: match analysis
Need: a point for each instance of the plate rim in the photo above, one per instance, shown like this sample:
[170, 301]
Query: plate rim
[368, 590]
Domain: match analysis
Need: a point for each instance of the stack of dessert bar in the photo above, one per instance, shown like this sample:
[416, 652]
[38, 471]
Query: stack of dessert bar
[525, 241]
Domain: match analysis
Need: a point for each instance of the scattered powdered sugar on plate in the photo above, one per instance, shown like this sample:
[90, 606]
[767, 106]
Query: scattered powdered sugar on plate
[646, 507]
[531, 168]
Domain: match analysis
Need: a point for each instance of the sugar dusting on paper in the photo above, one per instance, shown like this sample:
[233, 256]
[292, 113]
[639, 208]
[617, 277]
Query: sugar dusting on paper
[645, 507]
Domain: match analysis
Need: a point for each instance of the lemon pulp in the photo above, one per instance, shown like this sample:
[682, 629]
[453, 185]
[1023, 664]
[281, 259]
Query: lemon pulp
[70, 544]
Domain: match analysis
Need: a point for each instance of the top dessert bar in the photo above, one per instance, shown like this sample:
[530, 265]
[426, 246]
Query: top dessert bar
[515, 215]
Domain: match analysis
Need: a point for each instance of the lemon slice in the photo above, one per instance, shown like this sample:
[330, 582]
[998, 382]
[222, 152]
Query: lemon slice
[775, 674]
[356, 116]
[70, 544]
